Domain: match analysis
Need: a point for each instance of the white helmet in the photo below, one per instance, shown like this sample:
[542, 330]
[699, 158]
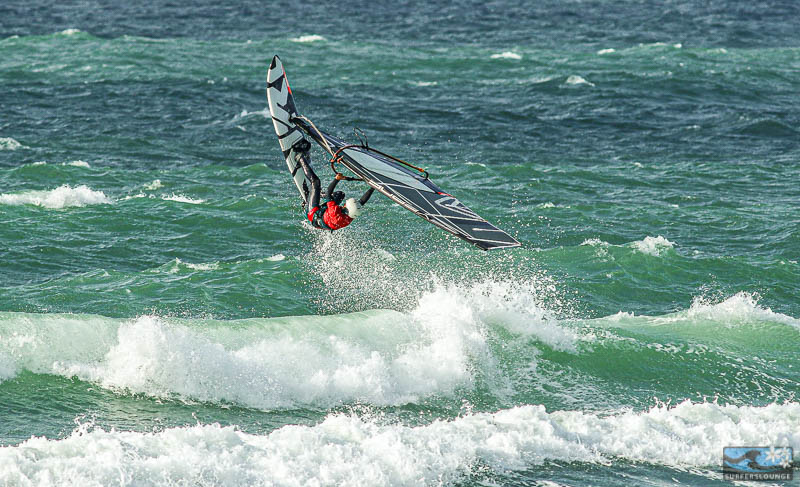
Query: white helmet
[353, 207]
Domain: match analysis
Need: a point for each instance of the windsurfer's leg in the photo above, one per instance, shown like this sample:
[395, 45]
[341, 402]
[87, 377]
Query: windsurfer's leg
[315, 190]
[303, 158]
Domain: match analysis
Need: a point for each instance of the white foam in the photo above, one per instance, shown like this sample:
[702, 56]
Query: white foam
[136, 196]
[740, 308]
[515, 307]
[506, 55]
[49, 68]
[7, 143]
[620, 317]
[276, 258]
[577, 80]
[606, 51]
[178, 264]
[349, 450]
[182, 199]
[70, 32]
[655, 246]
[538, 79]
[308, 38]
[8, 368]
[61, 197]
[423, 84]
[78, 163]
[153, 185]
[320, 361]
[37, 342]
[595, 242]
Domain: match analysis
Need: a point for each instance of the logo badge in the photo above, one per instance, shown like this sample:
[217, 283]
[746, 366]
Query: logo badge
[757, 463]
[452, 204]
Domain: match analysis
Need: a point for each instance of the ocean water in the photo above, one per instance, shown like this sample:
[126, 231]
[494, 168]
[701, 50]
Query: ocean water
[168, 318]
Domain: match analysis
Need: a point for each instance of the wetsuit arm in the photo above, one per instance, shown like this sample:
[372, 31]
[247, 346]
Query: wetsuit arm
[331, 187]
[365, 196]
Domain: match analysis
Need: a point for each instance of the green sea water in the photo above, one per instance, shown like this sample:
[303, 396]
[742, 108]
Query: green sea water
[167, 317]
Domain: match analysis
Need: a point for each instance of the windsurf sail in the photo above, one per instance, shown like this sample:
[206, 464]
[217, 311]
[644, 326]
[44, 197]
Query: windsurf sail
[402, 183]
[282, 109]
[410, 189]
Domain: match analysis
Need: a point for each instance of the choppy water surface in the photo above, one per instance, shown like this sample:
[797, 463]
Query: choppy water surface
[166, 317]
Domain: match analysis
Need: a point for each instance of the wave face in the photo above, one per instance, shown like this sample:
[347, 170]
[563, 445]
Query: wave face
[168, 317]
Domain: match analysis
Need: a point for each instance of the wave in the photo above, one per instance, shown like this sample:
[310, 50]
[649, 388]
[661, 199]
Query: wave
[178, 198]
[377, 357]
[441, 348]
[7, 143]
[506, 55]
[577, 80]
[654, 246]
[491, 337]
[153, 185]
[308, 38]
[346, 449]
[738, 311]
[177, 265]
[768, 128]
[183, 199]
[61, 197]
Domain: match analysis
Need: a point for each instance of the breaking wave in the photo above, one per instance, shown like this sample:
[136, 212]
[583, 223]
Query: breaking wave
[506, 55]
[346, 449]
[61, 197]
[7, 143]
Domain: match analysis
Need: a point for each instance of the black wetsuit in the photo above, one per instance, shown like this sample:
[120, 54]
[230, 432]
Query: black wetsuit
[315, 211]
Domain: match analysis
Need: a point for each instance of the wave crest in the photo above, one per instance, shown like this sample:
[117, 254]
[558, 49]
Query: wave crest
[61, 197]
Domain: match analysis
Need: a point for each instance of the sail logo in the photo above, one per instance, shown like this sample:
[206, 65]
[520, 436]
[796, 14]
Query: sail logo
[451, 203]
[757, 463]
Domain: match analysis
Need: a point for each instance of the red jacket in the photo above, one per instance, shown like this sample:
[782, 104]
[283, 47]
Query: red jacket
[334, 218]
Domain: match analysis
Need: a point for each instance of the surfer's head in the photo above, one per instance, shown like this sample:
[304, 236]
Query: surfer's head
[353, 207]
[338, 197]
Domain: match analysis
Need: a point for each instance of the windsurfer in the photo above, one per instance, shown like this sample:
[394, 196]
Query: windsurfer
[334, 215]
